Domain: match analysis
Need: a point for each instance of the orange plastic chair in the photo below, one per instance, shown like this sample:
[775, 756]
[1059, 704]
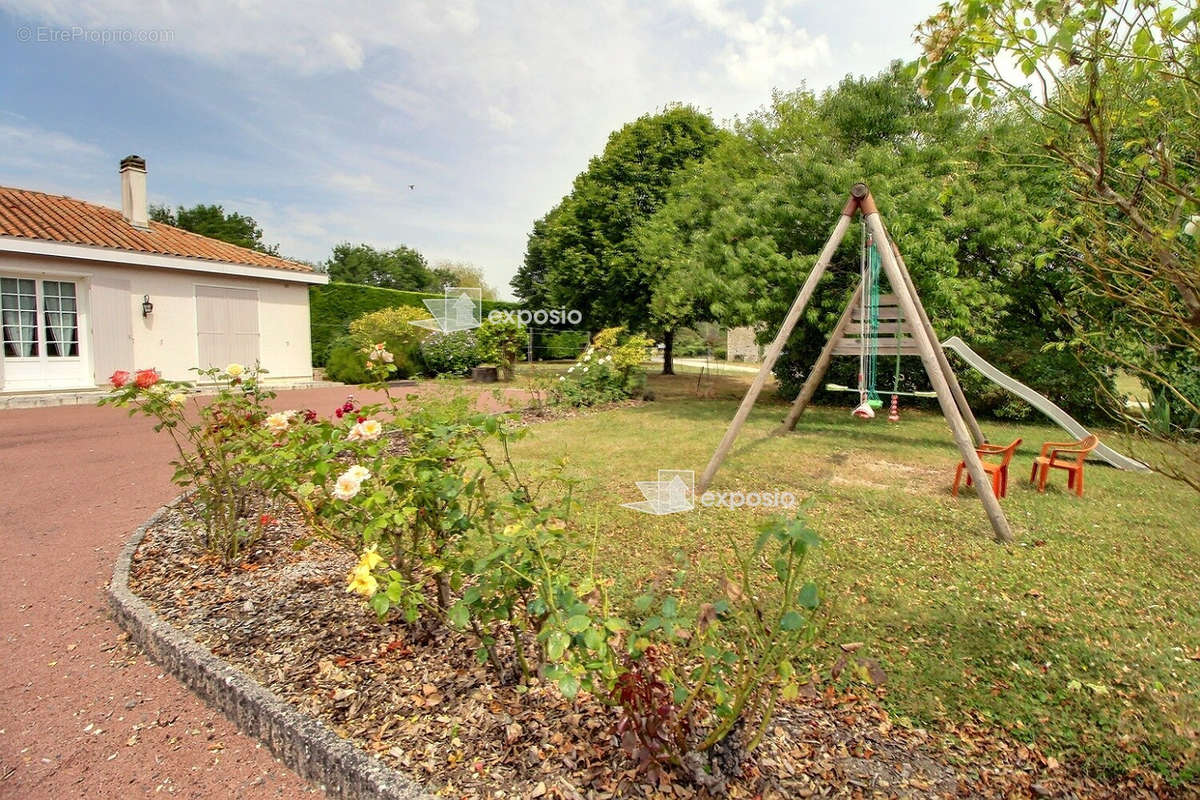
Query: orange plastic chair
[1067, 456]
[998, 472]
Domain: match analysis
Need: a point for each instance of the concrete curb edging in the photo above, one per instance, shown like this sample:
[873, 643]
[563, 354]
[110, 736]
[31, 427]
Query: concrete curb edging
[306, 745]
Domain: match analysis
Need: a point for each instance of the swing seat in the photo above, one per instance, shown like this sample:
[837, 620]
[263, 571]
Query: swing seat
[864, 410]
[997, 472]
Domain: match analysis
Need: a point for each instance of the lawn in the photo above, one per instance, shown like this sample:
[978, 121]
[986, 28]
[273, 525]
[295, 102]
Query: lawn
[1084, 636]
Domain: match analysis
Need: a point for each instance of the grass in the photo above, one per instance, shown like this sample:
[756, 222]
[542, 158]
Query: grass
[1084, 636]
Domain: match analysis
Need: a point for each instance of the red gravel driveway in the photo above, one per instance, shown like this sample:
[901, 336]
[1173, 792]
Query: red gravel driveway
[82, 713]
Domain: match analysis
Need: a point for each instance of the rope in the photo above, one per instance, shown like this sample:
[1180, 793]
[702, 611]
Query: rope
[873, 314]
[862, 317]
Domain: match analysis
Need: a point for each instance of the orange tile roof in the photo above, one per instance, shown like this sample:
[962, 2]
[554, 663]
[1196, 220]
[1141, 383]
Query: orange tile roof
[52, 217]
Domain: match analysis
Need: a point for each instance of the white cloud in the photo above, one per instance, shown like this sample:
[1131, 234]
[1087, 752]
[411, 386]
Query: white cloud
[25, 145]
[348, 49]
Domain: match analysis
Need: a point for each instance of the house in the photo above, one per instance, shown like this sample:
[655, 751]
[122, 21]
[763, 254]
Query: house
[86, 290]
[741, 344]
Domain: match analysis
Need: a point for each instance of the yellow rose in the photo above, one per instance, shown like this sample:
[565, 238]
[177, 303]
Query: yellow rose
[370, 559]
[234, 370]
[176, 399]
[362, 582]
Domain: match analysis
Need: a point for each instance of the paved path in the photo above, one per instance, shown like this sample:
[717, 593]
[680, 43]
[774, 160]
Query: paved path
[81, 713]
[716, 367]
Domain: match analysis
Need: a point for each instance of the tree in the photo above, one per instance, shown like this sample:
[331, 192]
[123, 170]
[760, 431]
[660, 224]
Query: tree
[399, 268]
[463, 273]
[742, 229]
[1114, 90]
[583, 254]
[214, 222]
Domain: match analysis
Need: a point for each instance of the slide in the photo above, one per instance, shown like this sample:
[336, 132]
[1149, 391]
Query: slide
[1041, 403]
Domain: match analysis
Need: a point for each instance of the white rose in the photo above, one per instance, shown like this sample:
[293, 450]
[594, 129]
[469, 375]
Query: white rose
[277, 422]
[357, 473]
[1193, 224]
[345, 488]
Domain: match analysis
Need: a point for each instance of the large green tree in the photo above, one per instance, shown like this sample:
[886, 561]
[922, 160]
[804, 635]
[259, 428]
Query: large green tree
[213, 221]
[583, 254]
[399, 268]
[1113, 90]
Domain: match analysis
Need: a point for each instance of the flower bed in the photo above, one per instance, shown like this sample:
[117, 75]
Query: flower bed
[415, 696]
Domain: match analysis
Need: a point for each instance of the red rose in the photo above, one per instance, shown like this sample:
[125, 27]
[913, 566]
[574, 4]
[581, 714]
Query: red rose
[339, 412]
[310, 416]
[362, 419]
[146, 378]
[119, 378]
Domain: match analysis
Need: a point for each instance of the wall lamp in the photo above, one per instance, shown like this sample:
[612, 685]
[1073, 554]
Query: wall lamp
[147, 306]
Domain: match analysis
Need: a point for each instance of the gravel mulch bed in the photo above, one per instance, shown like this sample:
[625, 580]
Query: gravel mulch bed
[416, 698]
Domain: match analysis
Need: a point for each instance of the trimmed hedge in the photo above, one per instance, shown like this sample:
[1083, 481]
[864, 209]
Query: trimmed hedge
[334, 306]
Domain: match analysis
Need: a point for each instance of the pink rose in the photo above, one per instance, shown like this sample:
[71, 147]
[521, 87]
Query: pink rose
[146, 378]
[119, 378]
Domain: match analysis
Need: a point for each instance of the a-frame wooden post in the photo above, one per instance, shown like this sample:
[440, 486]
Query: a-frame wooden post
[960, 399]
[785, 330]
[921, 331]
[821, 365]
[933, 367]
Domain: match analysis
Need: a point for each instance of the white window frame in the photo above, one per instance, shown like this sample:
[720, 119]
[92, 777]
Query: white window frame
[82, 361]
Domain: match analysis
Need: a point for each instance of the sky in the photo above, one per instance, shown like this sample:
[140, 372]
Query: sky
[448, 126]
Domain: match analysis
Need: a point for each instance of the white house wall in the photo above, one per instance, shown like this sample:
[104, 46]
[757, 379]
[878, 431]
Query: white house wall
[167, 339]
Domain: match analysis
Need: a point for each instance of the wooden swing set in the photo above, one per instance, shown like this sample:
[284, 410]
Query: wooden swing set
[902, 317]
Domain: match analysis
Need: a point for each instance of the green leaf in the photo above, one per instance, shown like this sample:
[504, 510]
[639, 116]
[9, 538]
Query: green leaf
[556, 645]
[569, 686]
[380, 604]
[594, 638]
[809, 597]
[791, 621]
[458, 615]
[578, 623]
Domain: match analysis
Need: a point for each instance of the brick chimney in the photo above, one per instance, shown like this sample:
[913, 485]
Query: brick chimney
[133, 192]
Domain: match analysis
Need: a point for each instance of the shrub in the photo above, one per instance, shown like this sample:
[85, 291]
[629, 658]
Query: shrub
[1057, 374]
[565, 344]
[393, 327]
[610, 369]
[345, 362]
[215, 444]
[454, 353]
[501, 343]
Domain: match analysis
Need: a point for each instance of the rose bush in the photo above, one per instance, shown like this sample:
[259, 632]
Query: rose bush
[610, 369]
[213, 440]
